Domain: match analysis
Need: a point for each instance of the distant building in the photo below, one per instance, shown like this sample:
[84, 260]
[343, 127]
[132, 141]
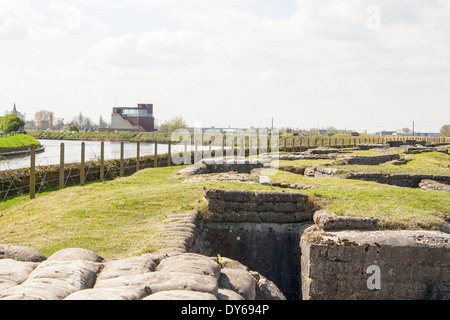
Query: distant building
[386, 133]
[132, 119]
[426, 134]
[19, 114]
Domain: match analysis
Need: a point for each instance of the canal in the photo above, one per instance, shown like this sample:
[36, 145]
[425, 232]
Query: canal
[72, 152]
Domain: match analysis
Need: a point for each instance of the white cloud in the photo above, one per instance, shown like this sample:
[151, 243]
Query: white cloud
[322, 58]
[72, 17]
[19, 21]
[158, 48]
[46, 34]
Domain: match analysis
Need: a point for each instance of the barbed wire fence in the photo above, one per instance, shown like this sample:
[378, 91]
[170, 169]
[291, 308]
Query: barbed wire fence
[60, 168]
[73, 168]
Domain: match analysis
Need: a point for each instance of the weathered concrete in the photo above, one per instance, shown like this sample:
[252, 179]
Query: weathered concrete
[328, 221]
[345, 265]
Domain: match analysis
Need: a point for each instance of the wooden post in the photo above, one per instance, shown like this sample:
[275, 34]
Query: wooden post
[138, 156]
[223, 147]
[102, 162]
[122, 145]
[169, 154]
[33, 171]
[155, 159]
[187, 158]
[61, 166]
[301, 147]
[82, 178]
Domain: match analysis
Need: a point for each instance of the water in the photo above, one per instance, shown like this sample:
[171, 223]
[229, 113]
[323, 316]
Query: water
[72, 152]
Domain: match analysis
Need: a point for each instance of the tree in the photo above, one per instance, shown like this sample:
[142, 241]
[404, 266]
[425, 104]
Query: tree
[73, 128]
[11, 122]
[82, 122]
[174, 123]
[102, 123]
[43, 119]
[445, 131]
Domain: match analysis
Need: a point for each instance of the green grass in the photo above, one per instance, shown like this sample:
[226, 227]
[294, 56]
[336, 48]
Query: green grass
[395, 207]
[17, 141]
[436, 163]
[116, 218]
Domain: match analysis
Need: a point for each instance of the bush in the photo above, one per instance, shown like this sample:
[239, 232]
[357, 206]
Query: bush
[73, 128]
[11, 123]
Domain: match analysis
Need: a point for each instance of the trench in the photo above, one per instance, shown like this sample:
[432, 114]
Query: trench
[260, 229]
[271, 249]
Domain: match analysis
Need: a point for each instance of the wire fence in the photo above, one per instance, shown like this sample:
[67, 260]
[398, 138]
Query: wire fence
[62, 167]
[73, 169]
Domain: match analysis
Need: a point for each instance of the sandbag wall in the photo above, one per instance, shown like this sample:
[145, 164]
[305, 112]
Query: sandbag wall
[261, 229]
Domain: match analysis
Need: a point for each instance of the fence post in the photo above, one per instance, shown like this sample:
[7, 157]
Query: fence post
[122, 144]
[83, 148]
[102, 162]
[61, 167]
[156, 155]
[169, 154]
[33, 172]
[224, 152]
[138, 156]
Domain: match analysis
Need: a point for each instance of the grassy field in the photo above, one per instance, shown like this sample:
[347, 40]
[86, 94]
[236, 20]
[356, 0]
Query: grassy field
[395, 207]
[123, 217]
[16, 141]
[436, 163]
[116, 218]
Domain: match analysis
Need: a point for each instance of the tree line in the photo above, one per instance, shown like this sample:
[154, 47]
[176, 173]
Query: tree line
[45, 119]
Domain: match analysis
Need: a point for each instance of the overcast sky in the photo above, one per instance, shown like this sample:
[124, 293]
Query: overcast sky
[356, 64]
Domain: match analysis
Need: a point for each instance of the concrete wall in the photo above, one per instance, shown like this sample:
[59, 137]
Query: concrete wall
[331, 257]
[377, 265]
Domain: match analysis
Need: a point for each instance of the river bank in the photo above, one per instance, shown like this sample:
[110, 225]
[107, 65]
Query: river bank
[149, 137]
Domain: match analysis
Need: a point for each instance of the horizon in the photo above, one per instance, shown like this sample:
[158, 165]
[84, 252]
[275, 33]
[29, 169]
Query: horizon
[361, 65]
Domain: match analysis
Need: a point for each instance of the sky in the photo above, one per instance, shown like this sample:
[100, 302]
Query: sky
[364, 65]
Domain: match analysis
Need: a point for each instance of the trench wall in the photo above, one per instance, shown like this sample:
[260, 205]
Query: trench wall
[401, 180]
[260, 229]
[375, 265]
[314, 255]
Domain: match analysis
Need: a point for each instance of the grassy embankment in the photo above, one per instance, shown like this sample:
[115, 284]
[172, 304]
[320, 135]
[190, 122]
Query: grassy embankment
[16, 141]
[103, 136]
[124, 217]
[435, 163]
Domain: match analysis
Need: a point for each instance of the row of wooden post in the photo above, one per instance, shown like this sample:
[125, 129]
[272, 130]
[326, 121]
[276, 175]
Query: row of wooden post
[83, 162]
[138, 164]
